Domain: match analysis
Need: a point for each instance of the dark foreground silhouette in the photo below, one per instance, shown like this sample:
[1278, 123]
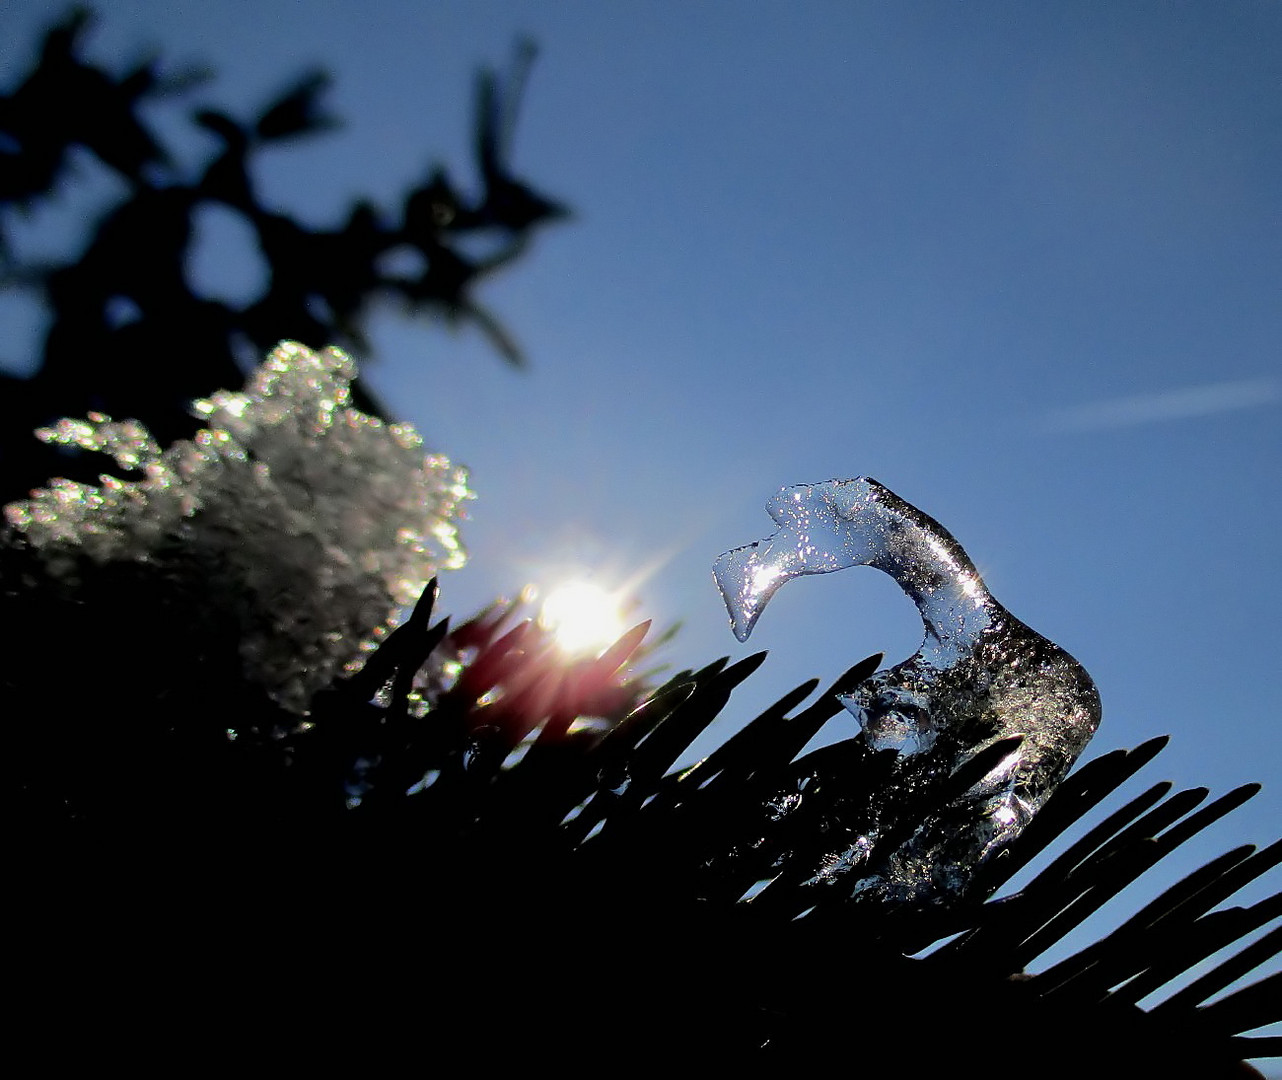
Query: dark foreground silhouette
[199, 874]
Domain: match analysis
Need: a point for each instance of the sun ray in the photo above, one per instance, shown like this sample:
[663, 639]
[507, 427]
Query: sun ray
[582, 616]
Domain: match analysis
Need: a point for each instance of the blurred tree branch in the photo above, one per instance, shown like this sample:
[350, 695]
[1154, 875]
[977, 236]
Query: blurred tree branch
[129, 336]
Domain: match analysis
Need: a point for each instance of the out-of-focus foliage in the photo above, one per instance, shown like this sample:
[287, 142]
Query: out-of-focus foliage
[129, 337]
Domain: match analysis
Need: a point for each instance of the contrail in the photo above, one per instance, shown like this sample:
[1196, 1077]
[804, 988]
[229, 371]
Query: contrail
[1167, 405]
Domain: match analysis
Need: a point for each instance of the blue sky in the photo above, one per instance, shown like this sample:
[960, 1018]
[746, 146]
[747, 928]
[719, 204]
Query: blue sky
[1022, 263]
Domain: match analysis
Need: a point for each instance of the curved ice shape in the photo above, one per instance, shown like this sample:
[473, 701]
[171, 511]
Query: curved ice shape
[980, 676]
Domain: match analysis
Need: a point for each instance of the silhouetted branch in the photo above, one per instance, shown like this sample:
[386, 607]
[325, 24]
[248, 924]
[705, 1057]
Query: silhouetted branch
[129, 337]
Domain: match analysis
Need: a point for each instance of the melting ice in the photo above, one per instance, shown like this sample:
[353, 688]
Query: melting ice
[980, 676]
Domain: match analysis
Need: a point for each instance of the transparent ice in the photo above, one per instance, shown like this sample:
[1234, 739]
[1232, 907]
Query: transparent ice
[980, 676]
[310, 523]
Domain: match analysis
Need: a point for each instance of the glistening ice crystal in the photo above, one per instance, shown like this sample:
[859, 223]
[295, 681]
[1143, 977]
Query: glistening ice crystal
[306, 522]
[980, 676]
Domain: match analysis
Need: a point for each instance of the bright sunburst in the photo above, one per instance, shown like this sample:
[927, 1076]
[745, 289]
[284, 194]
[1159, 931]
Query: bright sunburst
[583, 617]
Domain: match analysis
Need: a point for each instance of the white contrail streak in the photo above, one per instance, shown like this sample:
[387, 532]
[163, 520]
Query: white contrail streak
[1180, 404]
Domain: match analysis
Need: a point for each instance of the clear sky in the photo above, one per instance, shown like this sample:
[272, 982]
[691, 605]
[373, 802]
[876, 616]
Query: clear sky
[1022, 263]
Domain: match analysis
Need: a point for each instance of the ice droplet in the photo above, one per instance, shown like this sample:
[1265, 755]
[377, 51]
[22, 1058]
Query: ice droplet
[980, 676]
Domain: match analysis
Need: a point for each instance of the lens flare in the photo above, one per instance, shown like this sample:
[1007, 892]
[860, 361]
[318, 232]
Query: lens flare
[583, 617]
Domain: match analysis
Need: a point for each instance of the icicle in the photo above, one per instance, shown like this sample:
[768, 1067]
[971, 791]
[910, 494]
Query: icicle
[980, 676]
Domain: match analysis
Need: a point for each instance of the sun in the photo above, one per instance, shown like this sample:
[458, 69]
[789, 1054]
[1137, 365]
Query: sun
[584, 618]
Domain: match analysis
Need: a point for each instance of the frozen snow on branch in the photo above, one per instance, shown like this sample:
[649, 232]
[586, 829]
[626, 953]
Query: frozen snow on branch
[308, 521]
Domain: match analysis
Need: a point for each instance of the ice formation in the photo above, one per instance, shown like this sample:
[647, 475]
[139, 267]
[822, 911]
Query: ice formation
[980, 676]
[308, 521]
